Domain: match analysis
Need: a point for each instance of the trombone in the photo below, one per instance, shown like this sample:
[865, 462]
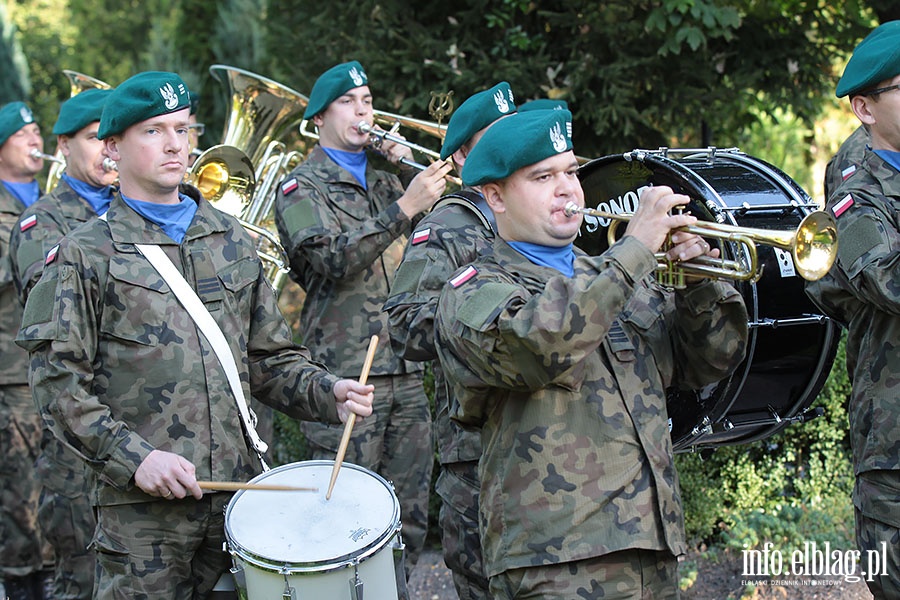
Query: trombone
[813, 246]
[378, 136]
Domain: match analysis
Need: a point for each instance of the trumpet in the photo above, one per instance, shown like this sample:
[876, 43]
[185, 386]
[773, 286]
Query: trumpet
[377, 137]
[35, 153]
[813, 246]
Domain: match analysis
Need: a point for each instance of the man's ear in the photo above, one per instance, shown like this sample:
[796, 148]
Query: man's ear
[493, 195]
[62, 144]
[112, 148]
[860, 106]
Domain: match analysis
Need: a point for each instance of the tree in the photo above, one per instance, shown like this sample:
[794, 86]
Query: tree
[636, 74]
[14, 81]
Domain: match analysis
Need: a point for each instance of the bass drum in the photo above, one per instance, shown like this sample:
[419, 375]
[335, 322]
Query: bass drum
[791, 346]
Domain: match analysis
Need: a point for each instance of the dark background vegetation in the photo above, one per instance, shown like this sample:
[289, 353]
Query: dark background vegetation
[754, 74]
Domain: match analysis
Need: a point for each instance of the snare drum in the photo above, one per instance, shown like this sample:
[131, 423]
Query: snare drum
[298, 545]
[791, 346]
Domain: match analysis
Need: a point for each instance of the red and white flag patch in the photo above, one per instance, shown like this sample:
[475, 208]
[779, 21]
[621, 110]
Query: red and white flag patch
[846, 173]
[464, 276]
[841, 207]
[289, 186]
[26, 224]
[51, 256]
[420, 236]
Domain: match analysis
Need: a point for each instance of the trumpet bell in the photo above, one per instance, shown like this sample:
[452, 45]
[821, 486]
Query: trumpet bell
[815, 245]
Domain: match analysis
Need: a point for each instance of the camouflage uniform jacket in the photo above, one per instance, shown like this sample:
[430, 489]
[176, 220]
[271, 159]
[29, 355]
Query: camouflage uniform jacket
[14, 363]
[843, 164]
[121, 368]
[862, 292]
[453, 234]
[40, 228]
[345, 244]
[568, 378]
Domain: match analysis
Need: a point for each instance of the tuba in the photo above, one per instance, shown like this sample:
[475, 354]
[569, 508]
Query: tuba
[78, 82]
[240, 175]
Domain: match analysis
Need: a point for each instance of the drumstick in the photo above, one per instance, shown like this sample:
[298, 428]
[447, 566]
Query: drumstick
[351, 420]
[233, 486]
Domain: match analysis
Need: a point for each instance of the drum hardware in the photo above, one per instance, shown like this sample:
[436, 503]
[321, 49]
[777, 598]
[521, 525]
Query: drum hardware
[813, 245]
[774, 323]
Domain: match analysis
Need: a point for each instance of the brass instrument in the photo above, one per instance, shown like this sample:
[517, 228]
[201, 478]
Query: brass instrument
[260, 113]
[78, 82]
[813, 245]
[35, 153]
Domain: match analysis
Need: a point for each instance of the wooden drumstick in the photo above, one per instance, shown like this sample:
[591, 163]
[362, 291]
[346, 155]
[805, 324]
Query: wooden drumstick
[351, 420]
[233, 486]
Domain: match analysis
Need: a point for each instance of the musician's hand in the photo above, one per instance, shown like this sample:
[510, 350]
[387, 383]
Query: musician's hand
[687, 246]
[353, 397]
[652, 221]
[167, 476]
[425, 189]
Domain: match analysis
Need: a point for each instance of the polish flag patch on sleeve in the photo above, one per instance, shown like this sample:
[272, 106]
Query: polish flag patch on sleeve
[464, 276]
[51, 256]
[289, 186]
[842, 206]
[26, 224]
[846, 173]
[420, 236]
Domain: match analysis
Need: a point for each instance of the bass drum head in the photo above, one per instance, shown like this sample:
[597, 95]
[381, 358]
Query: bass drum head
[791, 346]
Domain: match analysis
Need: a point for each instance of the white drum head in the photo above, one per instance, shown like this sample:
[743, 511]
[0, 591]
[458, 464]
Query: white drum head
[299, 531]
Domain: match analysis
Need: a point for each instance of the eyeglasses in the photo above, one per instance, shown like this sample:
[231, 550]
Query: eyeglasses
[877, 91]
[200, 128]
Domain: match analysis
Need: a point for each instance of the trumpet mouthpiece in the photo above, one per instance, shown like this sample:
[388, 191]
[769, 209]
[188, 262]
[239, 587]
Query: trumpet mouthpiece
[571, 209]
[35, 153]
[363, 127]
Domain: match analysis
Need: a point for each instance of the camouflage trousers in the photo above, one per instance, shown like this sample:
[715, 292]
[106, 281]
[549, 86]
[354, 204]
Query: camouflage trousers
[457, 485]
[21, 549]
[67, 524]
[877, 500]
[395, 442]
[624, 575]
[169, 549]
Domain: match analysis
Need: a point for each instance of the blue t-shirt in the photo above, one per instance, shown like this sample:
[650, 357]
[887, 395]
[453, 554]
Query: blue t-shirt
[890, 157]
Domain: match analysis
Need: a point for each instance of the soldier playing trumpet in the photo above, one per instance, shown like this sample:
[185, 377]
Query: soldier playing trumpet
[563, 360]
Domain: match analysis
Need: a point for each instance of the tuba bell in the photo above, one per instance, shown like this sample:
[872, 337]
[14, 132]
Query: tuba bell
[78, 82]
[239, 175]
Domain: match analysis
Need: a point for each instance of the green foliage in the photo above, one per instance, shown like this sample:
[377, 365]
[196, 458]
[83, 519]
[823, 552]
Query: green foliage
[793, 486]
[15, 84]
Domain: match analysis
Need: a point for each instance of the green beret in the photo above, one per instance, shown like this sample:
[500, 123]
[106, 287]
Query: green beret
[80, 110]
[141, 97]
[518, 141]
[476, 113]
[334, 83]
[544, 104]
[13, 117]
[875, 59]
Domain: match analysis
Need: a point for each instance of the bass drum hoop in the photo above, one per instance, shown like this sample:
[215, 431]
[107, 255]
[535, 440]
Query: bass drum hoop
[715, 427]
